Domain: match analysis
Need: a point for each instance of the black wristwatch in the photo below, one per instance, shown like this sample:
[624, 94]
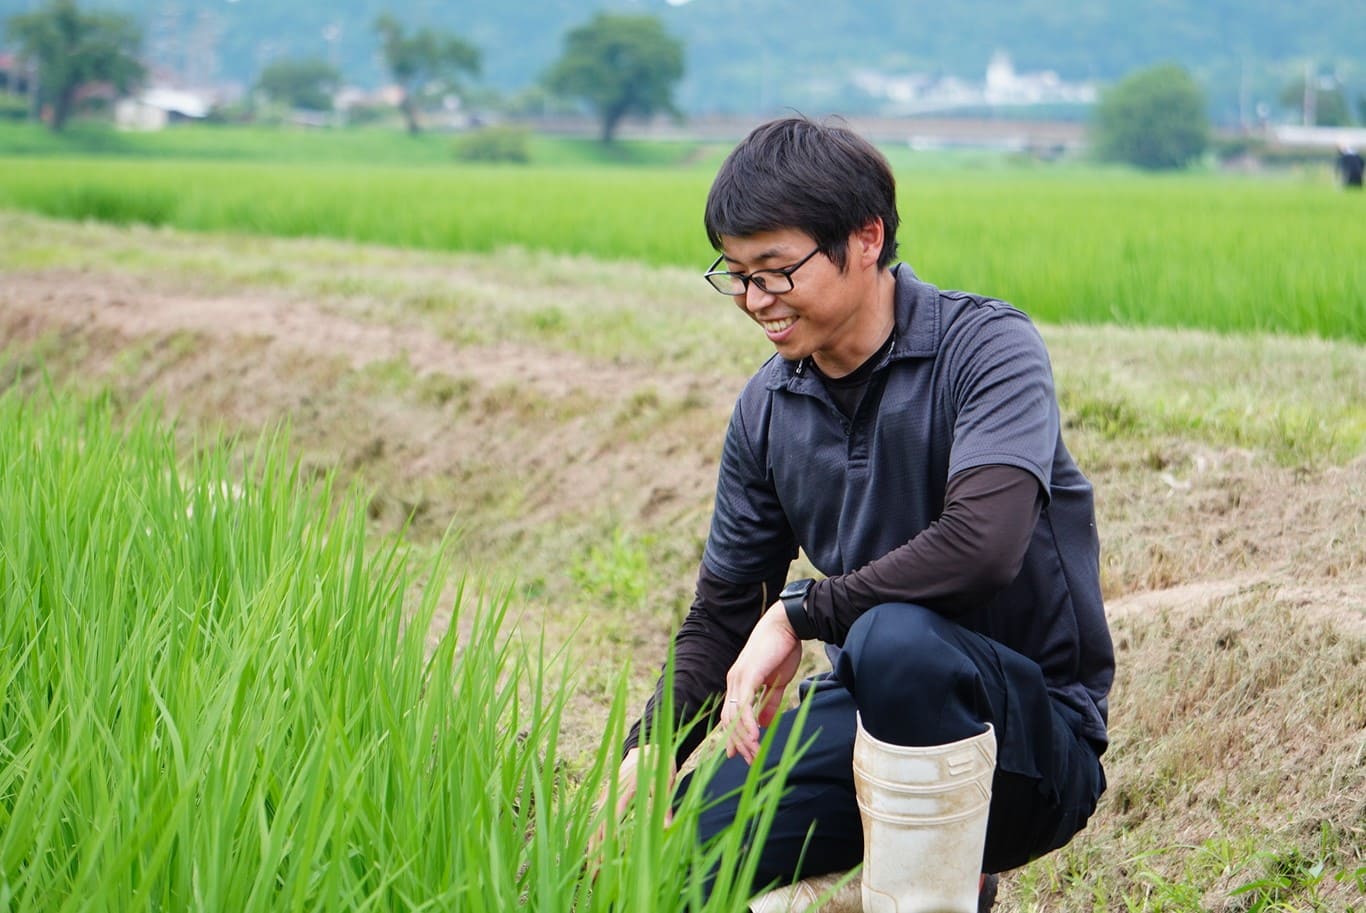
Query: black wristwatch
[794, 602]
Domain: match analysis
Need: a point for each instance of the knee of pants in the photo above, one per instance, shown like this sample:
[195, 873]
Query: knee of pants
[910, 678]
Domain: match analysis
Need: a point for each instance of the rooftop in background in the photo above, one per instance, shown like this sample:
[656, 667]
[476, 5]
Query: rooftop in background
[1326, 137]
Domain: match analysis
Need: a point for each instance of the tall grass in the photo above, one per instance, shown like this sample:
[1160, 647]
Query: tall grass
[1079, 246]
[218, 696]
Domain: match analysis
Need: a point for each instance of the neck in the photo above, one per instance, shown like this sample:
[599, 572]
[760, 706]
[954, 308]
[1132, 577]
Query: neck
[867, 330]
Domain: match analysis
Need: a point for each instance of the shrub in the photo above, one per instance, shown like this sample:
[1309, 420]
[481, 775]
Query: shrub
[495, 144]
[13, 107]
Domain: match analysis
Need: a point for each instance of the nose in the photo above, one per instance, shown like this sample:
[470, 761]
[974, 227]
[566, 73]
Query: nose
[756, 299]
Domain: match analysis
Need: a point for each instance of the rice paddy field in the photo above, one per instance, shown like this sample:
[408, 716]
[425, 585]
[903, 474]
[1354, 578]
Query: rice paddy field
[350, 496]
[1071, 245]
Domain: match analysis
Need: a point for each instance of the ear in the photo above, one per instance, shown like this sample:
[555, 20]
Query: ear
[865, 244]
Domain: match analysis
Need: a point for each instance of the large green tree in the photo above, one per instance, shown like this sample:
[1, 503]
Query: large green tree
[1155, 119]
[620, 64]
[72, 48]
[418, 61]
[307, 83]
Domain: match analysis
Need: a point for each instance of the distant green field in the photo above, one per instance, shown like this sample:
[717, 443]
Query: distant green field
[1067, 244]
[357, 145]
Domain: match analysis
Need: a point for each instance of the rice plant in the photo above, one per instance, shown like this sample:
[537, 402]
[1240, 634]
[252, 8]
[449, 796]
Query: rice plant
[1069, 246]
[220, 696]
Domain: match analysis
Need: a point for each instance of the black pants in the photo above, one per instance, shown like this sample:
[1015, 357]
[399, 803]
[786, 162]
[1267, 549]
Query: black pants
[919, 679]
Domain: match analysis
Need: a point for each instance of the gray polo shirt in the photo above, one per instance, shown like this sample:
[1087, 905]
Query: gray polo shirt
[966, 383]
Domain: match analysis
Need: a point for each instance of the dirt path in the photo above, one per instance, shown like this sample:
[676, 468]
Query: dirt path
[134, 308]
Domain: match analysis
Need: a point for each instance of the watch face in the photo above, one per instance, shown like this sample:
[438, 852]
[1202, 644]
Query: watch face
[795, 588]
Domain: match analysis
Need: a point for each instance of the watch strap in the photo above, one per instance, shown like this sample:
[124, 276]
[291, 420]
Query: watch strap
[793, 598]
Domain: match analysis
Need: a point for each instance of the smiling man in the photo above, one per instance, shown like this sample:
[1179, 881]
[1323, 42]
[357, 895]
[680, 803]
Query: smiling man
[908, 440]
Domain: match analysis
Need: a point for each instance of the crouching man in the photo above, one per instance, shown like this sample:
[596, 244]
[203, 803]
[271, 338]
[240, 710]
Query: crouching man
[907, 438]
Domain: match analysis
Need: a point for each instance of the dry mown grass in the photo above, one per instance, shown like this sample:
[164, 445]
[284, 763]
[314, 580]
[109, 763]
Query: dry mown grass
[565, 421]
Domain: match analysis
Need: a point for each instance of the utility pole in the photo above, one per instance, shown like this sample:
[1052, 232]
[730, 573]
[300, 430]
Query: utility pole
[332, 33]
[35, 97]
[1310, 99]
[1244, 94]
[201, 58]
[166, 44]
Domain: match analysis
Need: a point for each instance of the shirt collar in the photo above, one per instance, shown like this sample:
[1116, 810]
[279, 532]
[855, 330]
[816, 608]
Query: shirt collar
[917, 329]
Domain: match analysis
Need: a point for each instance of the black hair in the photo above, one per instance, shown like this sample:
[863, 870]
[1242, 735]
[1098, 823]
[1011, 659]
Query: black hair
[822, 179]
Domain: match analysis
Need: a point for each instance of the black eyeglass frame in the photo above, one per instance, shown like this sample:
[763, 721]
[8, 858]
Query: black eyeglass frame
[757, 277]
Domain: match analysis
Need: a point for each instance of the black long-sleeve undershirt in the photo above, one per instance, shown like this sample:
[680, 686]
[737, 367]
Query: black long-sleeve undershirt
[974, 548]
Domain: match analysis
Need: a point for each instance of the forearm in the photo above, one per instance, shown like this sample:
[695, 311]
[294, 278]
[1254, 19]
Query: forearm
[970, 552]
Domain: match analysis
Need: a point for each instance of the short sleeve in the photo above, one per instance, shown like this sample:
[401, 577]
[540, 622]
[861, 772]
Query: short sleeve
[1001, 395]
[751, 539]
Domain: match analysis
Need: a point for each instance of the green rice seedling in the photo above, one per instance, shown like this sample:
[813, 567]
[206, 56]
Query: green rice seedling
[221, 143]
[1071, 246]
[218, 695]
[354, 144]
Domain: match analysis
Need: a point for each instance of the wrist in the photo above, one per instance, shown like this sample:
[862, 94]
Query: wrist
[793, 599]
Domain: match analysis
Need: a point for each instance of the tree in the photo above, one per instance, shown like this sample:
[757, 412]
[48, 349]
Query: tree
[420, 60]
[306, 83]
[1154, 119]
[619, 64]
[72, 48]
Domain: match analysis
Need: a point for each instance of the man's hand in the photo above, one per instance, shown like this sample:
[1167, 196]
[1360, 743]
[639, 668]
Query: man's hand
[628, 777]
[760, 675]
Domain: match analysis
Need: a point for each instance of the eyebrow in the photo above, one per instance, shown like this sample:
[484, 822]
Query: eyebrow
[770, 254]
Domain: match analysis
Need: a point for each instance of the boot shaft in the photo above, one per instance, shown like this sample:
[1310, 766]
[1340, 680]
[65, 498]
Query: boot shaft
[924, 812]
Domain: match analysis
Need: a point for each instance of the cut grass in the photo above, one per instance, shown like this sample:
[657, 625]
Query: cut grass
[1300, 401]
[1255, 810]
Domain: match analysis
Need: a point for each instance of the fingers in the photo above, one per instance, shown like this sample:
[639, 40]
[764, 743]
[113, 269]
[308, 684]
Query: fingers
[744, 738]
[738, 719]
[627, 785]
[757, 680]
[626, 788]
[743, 683]
[771, 706]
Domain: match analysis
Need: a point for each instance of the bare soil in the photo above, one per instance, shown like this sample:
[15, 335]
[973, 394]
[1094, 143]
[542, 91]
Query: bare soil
[1237, 590]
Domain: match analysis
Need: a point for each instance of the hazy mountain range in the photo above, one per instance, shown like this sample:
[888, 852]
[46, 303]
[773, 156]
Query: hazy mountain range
[758, 56]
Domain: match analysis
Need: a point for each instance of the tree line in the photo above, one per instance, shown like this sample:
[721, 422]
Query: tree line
[617, 64]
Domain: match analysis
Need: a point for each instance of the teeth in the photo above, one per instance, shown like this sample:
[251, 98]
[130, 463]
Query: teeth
[777, 326]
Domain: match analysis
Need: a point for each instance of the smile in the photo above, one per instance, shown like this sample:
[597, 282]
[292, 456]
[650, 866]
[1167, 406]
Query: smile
[777, 326]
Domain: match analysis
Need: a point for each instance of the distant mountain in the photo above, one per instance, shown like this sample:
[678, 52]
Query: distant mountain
[761, 56]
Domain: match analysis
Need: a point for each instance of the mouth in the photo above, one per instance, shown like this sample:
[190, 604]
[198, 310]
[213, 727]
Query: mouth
[777, 328]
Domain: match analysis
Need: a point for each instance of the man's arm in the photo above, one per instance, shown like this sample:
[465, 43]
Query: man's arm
[973, 549]
[705, 647]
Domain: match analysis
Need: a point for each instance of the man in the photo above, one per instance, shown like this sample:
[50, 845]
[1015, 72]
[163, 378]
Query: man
[908, 440]
[1350, 166]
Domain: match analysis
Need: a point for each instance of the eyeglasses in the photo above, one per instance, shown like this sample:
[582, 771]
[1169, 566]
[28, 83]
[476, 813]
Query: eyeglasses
[773, 281]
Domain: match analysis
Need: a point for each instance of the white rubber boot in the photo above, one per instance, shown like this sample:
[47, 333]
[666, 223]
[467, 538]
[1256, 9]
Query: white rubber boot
[924, 816]
[802, 896]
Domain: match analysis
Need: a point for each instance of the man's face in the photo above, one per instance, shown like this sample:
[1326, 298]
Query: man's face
[819, 316]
